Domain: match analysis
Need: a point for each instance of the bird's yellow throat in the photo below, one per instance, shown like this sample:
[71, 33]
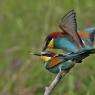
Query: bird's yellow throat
[51, 44]
[45, 58]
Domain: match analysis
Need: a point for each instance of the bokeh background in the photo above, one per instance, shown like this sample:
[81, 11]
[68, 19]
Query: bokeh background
[24, 25]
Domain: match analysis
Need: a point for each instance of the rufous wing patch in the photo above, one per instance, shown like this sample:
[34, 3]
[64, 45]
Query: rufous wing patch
[84, 34]
[54, 61]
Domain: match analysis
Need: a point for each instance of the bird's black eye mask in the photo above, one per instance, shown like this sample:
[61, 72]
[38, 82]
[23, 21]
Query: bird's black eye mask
[49, 55]
[47, 40]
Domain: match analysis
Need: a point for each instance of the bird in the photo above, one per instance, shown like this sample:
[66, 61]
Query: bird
[69, 39]
[56, 63]
[78, 44]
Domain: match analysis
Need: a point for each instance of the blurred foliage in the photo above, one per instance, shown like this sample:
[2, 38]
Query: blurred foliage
[24, 25]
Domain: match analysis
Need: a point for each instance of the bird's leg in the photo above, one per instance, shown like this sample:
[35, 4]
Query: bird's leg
[61, 71]
[57, 79]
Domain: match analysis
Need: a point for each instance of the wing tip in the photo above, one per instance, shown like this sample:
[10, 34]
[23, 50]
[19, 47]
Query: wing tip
[70, 12]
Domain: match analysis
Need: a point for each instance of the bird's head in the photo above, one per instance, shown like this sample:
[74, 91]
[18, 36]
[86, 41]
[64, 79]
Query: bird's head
[45, 56]
[49, 41]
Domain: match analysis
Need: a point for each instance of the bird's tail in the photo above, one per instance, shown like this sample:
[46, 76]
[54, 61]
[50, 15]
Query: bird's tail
[92, 51]
[83, 55]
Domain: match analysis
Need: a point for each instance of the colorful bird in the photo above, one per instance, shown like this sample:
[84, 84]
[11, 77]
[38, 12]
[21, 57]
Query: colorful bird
[69, 39]
[55, 63]
[78, 44]
[59, 62]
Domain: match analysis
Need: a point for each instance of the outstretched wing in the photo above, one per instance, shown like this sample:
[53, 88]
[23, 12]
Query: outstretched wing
[68, 25]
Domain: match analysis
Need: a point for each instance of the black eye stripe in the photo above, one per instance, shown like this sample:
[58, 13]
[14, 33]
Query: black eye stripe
[49, 55]
[48, 39]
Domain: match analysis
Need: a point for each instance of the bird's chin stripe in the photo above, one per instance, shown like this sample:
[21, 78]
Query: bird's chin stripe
[45, 58]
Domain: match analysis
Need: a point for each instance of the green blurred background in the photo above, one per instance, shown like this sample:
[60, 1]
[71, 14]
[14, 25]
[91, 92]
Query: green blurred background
[24, 25]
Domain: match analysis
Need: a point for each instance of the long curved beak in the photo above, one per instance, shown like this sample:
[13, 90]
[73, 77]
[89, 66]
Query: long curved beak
[37, 54]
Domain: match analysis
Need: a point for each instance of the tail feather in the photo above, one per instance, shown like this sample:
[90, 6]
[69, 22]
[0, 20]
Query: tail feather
[83, 55]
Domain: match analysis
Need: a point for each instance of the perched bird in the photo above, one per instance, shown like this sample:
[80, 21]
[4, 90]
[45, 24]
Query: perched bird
[55, 63]
[58, 62]
[69, 39]
[79, 45]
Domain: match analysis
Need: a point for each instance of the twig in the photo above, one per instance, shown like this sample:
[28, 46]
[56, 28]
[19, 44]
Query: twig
[57, 79]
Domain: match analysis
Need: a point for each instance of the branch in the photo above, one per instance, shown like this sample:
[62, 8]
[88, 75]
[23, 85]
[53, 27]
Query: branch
[57, 79]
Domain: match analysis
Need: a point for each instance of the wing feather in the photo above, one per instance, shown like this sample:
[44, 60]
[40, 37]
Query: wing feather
[68, 25]
[54, 61]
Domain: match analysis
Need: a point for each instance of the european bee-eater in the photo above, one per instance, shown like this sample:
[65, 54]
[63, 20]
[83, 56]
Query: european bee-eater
[69, 39]
[55, 63]
[59, 62]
